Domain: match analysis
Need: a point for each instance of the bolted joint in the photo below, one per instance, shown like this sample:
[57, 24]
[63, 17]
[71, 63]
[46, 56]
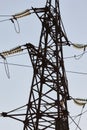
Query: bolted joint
[4, 114]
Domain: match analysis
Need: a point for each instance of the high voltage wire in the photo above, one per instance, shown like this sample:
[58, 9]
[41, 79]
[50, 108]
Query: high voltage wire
[75, 72]
[75, 56]
[73, 118]
[29, 66]
[65, 58]
[13, 64]
[14, 18]
[74, 122]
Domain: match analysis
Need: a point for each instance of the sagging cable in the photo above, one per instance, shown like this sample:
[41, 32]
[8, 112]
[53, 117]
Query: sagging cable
[15, 22]
[79, 46]
[79, 56]
[10, 52]
[6, 66]
[17, 16]
[75, 123]
[80, 117]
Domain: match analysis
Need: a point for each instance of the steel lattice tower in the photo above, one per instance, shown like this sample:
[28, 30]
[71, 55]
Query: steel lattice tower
[47, 105]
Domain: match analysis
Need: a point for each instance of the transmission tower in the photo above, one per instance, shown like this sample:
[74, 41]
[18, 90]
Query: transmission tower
[47, 105]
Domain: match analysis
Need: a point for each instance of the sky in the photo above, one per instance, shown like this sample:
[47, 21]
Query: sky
[14, 92]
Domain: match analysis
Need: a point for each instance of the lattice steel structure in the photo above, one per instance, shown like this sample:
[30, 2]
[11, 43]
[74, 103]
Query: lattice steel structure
[47, 105]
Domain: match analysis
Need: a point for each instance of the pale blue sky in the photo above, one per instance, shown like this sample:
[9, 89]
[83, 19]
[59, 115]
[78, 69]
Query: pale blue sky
[14, 92]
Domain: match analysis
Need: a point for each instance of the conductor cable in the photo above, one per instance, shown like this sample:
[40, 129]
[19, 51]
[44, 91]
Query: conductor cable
[6, 66]
[15, 21]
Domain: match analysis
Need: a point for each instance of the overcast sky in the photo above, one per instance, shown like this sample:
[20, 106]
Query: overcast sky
[14, 92]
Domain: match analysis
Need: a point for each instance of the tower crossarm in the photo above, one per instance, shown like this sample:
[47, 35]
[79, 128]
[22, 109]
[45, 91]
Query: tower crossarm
[52, 21]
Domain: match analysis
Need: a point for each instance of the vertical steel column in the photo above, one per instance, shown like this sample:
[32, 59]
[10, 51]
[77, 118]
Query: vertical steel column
[47, 105]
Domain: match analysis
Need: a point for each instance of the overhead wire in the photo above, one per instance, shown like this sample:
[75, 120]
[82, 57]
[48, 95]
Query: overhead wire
[7, 68]
[80, 102]
[29, 66]
[75, 56]
[6, 53]
[14, 21]
[75, 122]
[20, 65]
[81, 47]
[67, 57]
[14, 18]
[77, 72]
[79, 118]
[20, 49]
[27, 12]
[17, 28]
[80, 114]
[5, 65]
[78, 46]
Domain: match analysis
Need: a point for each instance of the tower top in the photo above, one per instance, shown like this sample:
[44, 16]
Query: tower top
[53, 2]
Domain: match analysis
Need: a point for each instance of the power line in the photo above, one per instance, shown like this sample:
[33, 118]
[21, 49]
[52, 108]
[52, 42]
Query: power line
[14, 18]
[75, 123]
[2, 15]
[29, 66]
[75, 72]
[65, 58]
[13, 64]
[80, 114]
[75, 56]
[73, 118]
[17, 15]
